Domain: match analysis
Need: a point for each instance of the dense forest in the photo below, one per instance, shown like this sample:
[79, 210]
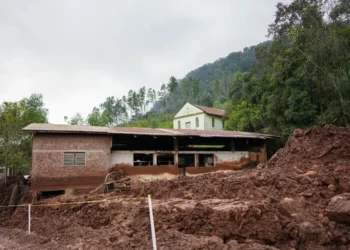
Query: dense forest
[297, 79]
[302, 78]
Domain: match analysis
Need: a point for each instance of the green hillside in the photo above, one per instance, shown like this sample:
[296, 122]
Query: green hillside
[298, 79]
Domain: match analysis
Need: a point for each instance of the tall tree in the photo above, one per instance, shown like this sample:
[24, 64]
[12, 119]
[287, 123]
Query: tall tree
[151, 96]
[15, 145]
[302, 77]
[98, 118]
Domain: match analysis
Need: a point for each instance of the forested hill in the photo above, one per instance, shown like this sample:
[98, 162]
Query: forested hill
[225, 68]
[207, 85]
[299, 79]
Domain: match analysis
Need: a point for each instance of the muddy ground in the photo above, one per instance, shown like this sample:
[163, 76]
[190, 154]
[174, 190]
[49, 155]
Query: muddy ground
[285, 204]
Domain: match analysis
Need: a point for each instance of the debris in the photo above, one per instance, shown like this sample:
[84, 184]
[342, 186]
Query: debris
[339, 208]
[294, 203]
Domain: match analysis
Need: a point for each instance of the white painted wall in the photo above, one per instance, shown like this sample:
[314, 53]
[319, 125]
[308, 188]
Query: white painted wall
[218, 124]
[192, 120]
[127, 157]
[189, 113]
[231, 156]
[188, 109]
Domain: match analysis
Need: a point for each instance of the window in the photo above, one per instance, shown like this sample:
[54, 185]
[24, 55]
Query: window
[223, 124]
[179, 125]
[74, 159]
[206, 160]
[197, 122]
[186, 160]
[1, 170]
[213, 122]
[165, 159]
[143, 159]
[188, 125]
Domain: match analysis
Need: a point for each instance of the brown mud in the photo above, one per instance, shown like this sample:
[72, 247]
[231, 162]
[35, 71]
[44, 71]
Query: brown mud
[280, 205]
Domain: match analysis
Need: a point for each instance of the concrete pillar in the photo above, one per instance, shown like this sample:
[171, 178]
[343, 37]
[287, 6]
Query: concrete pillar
[176, 149]
[154, 159]
[69, 191]
[196, 160]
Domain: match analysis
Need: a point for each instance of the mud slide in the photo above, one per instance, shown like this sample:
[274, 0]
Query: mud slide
[299, 200]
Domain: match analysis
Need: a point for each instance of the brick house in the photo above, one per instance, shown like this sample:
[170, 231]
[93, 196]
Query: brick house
[73, 157]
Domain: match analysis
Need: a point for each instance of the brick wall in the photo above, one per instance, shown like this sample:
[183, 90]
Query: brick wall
[48, 170]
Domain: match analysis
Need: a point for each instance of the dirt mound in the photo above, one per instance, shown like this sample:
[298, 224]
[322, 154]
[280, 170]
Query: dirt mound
[284, 204]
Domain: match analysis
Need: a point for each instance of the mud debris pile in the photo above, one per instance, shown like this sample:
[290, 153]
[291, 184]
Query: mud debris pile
[298, 200]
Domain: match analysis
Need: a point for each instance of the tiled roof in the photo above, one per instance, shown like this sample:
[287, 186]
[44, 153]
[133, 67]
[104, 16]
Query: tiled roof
[211, 111]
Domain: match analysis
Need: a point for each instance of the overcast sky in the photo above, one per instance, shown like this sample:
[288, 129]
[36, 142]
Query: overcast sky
[78, 52]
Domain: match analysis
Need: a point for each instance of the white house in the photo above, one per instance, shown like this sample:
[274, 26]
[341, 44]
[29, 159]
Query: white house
[193, 116]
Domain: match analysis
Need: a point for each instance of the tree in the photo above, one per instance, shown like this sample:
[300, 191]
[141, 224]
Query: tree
[217, 89]
[142, 100]
[172, 89]
[301, 78]
[245, 117]
[15, 145]
[172, 85]
[77, 119]
[96, 118]
[163, 96]
[151, 96]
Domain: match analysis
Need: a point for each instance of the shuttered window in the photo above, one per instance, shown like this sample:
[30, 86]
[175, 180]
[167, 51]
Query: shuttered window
[74, 159]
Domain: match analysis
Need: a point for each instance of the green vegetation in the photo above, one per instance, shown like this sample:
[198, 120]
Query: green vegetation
[153, 120]
[298, 79]
[208, 85]
[15, 145]
[302, 78]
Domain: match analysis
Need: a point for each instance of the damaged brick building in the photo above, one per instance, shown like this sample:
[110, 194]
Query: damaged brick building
[72, 157]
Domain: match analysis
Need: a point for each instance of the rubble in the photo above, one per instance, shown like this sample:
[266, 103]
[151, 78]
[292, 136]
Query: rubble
[339, 208]
[297, 200]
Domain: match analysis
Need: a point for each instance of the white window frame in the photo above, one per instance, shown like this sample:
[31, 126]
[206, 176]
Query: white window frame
[189, 125]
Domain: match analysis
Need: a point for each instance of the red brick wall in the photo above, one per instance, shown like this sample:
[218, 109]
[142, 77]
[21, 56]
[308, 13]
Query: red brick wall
[48, 170]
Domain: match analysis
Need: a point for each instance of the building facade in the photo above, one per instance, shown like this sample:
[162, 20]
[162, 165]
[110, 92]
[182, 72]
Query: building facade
[199, 117]
[68, 157]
